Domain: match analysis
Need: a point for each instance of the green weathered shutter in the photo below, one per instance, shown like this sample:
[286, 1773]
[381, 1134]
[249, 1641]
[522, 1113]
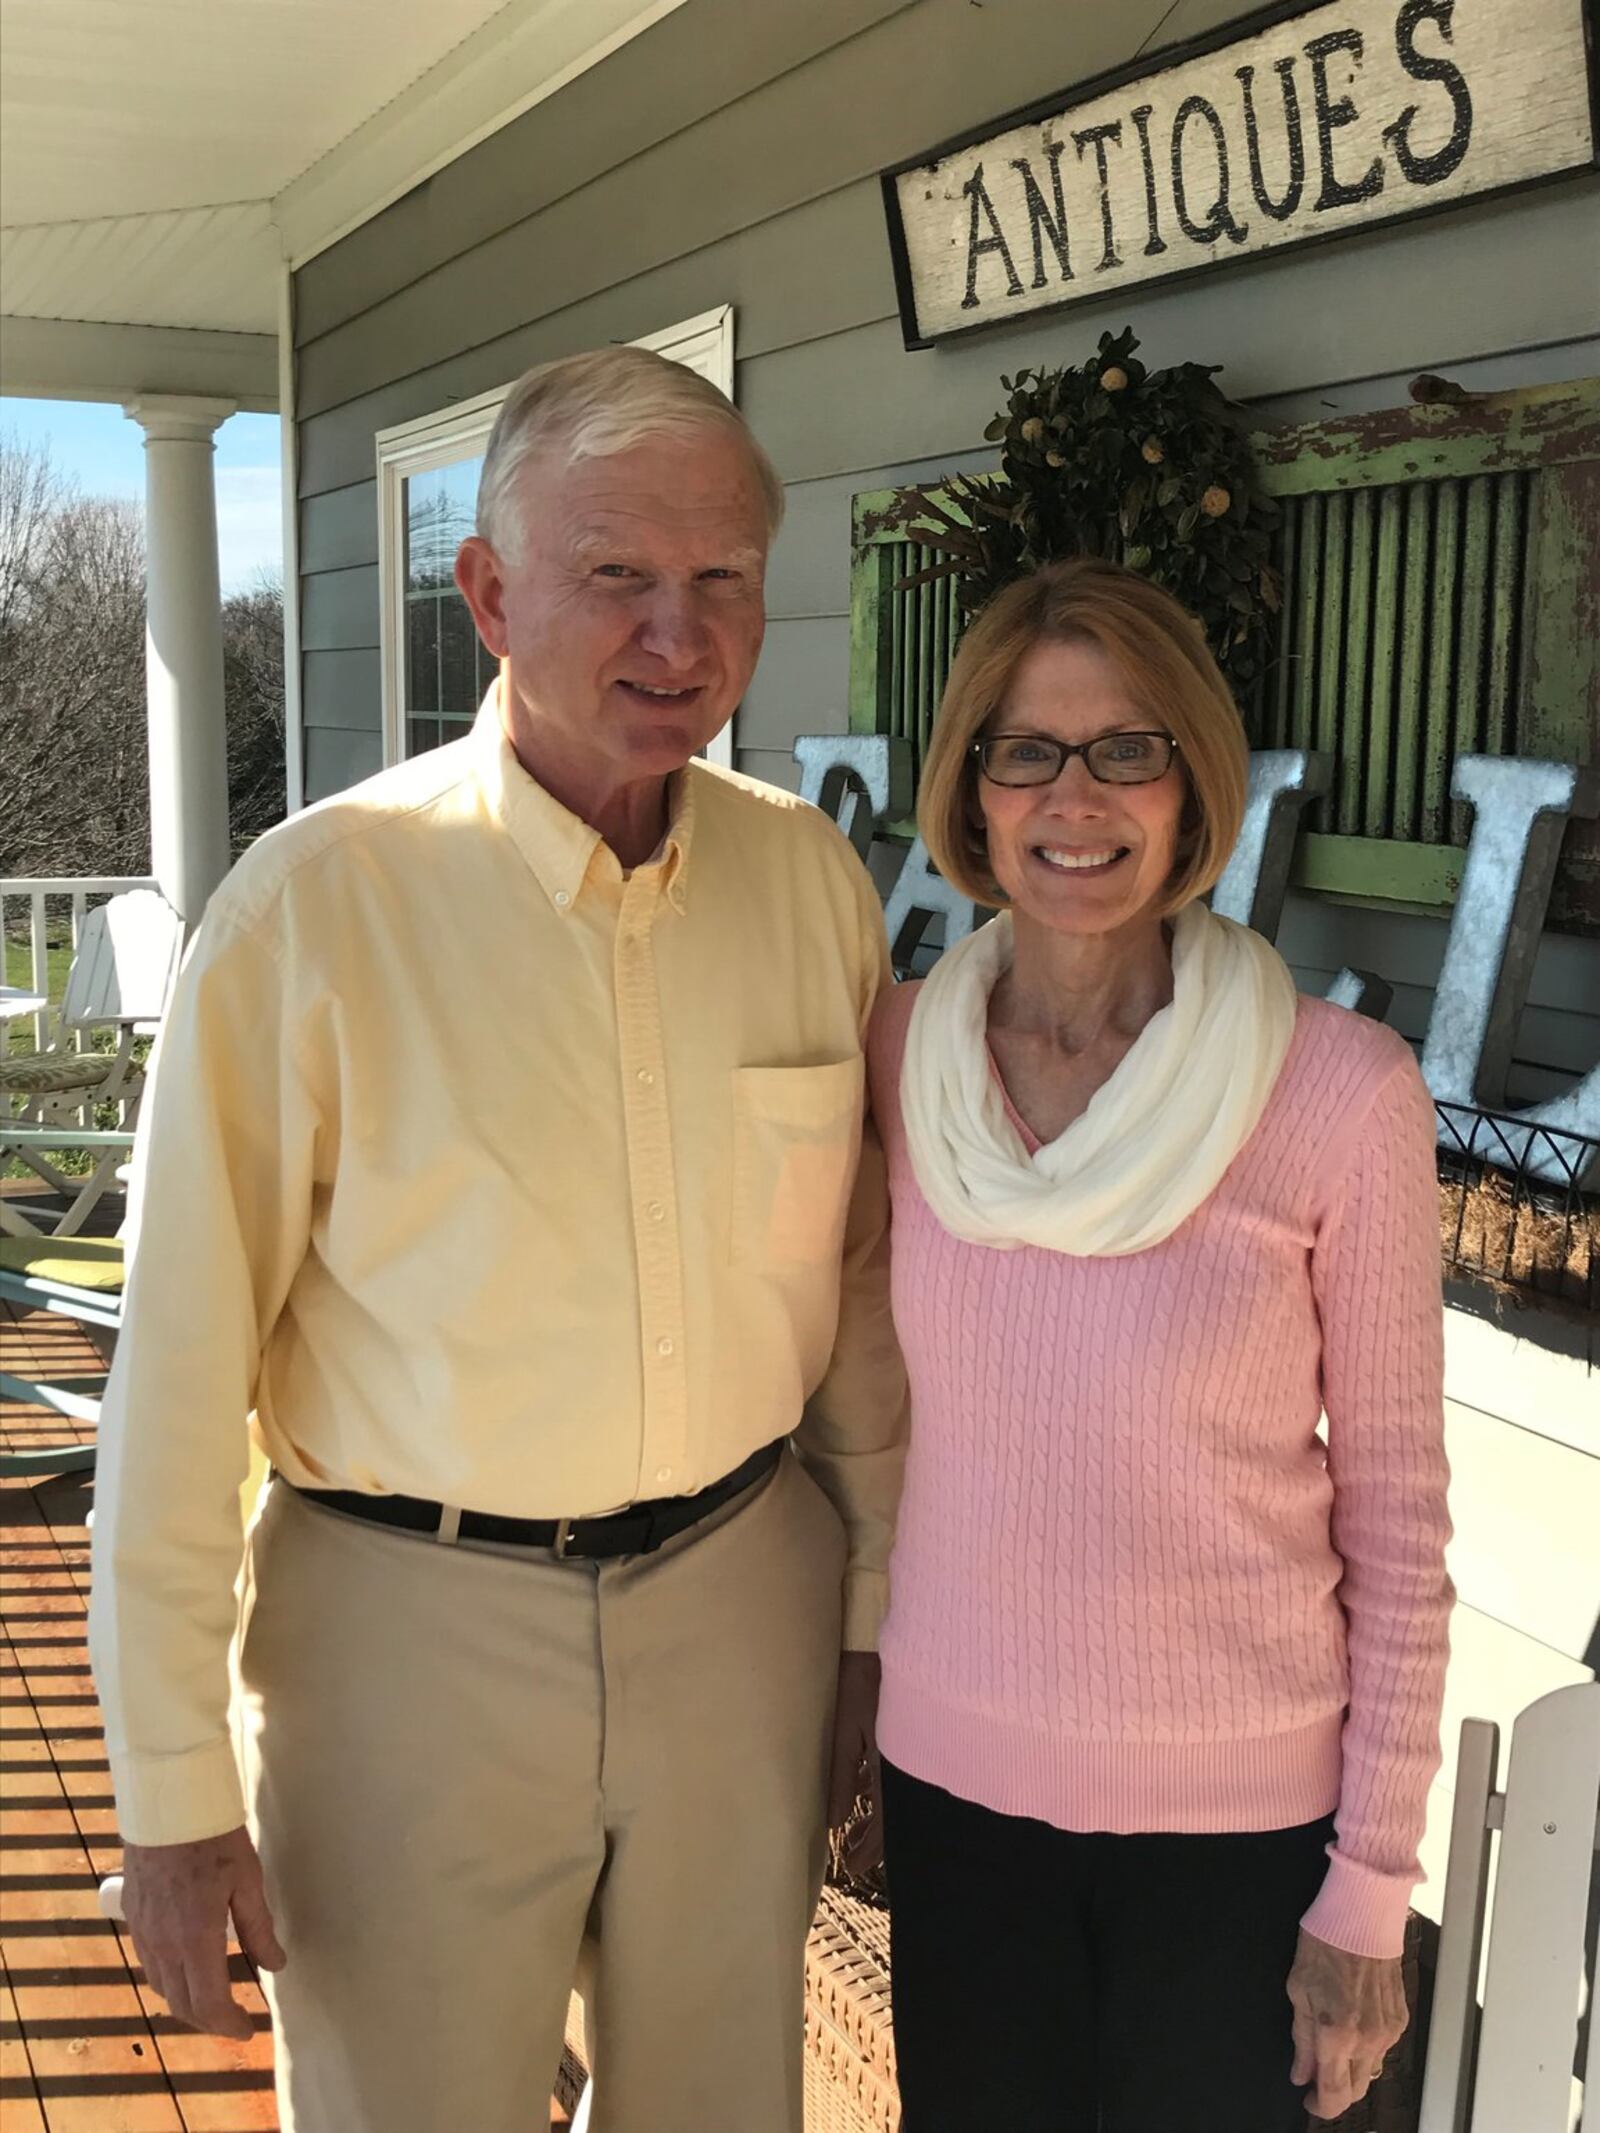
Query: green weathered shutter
[901, 643]
[1441, 596]
[1441, 571]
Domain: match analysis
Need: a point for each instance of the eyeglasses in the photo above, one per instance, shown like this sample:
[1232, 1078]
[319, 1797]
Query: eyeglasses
[1112, 758]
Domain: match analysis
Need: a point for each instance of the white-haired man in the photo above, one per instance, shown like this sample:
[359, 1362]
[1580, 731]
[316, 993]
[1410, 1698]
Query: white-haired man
[505, 1157]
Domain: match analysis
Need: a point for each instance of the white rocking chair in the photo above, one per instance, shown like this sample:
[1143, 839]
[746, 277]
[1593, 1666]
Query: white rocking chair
[1510, 2068]
[122, 974]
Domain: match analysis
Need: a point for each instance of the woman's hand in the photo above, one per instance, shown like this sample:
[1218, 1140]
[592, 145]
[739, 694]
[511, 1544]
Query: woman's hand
[855, 1776]
[1349, 2011]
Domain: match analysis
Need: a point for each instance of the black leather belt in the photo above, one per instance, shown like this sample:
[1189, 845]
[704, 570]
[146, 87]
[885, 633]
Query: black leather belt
[638, 1529]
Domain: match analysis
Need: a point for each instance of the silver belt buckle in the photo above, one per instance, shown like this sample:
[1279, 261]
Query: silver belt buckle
[558, 1547]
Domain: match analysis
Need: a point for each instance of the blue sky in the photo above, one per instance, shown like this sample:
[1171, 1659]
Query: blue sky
[103, 452]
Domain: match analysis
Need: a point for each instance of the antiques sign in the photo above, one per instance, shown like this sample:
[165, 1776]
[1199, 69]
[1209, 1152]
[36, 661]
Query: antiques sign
[1302, 124]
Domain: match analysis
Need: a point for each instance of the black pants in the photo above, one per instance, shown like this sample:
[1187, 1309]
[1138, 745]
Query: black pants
[1054, 1983]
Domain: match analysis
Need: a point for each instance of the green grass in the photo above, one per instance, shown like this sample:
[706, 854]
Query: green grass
[19, 972]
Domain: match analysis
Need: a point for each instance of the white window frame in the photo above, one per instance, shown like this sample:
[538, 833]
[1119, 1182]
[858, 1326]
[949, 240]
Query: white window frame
[704, 343]
[454, 433]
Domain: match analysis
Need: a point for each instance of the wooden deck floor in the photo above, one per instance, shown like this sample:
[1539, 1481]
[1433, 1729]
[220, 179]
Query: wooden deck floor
[85, 2047]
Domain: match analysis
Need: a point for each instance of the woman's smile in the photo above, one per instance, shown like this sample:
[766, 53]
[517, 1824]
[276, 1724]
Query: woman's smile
[1062, 859]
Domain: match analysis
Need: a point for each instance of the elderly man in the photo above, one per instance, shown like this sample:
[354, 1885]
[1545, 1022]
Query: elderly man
[505, 1160]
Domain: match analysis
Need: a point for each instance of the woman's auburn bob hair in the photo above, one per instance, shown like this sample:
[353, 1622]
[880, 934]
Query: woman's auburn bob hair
[1165, 664]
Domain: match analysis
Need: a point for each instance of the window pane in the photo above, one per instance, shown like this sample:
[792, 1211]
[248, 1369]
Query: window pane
[442, 688]
[439, 512]
[488, 669]
[458, 667]
[422, 654]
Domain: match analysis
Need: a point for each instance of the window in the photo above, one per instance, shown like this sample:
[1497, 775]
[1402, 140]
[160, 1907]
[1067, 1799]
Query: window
[434, 669]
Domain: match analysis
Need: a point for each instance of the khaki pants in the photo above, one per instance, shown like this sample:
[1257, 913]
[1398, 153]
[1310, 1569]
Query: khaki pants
[458, 1759]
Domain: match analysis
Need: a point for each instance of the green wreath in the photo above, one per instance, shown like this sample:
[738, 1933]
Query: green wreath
[1150, 468]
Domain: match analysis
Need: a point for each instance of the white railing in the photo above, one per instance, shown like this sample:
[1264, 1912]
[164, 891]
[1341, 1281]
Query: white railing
[71, 897]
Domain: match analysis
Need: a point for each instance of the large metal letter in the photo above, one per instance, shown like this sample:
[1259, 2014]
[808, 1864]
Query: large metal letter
[1283, 781]
[921, 894]
[1521, 810]
[857, 778]
[870, 773]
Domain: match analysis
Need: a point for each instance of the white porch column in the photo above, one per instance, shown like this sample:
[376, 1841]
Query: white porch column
[183, 648]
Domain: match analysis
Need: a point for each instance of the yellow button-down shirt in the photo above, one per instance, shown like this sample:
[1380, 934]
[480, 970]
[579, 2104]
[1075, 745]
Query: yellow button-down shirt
[482, 1171]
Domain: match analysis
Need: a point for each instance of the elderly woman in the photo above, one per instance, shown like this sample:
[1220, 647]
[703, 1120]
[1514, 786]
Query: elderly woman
[1162, 1668]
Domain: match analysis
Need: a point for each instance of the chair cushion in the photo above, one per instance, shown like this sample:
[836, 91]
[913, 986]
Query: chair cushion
[73, 1262]
[48, 1073]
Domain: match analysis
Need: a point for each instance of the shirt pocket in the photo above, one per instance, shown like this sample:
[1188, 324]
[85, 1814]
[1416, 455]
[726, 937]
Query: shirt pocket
[796, 1143]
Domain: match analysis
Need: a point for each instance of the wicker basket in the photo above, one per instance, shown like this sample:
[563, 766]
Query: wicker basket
[850, 2084]
[574, 2071]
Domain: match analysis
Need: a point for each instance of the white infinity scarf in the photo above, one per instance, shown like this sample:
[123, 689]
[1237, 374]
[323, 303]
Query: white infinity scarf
[1156, 1137]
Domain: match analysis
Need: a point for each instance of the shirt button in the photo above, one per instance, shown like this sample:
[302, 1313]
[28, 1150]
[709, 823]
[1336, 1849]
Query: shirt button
[646, 1076]
[656, 1211]
[562, 899]
[663, 1473]
[664, 1345]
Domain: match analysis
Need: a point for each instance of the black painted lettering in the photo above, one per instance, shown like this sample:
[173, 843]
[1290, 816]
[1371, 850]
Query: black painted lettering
[1097, 137]
[977, 246]
[1041, 222]
[1333, 112]
[1279, 210]
[1141, 119]
[1219, 218]
[1430, 170]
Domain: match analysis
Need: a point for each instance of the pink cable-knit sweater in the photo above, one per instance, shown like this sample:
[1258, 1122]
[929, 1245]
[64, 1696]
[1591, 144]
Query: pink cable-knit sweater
[1129, 1590]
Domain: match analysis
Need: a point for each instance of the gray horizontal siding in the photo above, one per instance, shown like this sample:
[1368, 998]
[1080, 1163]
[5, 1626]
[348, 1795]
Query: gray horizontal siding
[770, 274]
[801, 686]
[339, 610]
[771, 765]
[337, 757]
[340, 528]
[702, 58]
[767, 240]
[342, 689]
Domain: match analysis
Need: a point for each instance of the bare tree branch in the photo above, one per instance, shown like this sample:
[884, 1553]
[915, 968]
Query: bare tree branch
[74, 763]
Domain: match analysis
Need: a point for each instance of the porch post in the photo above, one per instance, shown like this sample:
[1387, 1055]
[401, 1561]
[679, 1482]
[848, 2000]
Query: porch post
[183, 649]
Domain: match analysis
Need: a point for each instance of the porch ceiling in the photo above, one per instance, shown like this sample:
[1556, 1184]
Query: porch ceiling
[160, 162]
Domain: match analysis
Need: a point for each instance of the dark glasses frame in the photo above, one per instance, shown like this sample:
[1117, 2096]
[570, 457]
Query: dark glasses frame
[1062, 753]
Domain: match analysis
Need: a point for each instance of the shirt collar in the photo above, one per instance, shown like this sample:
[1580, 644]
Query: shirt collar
[559, 848]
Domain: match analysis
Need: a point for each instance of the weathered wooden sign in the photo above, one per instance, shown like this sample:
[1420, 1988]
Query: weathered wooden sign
[1292, 124]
